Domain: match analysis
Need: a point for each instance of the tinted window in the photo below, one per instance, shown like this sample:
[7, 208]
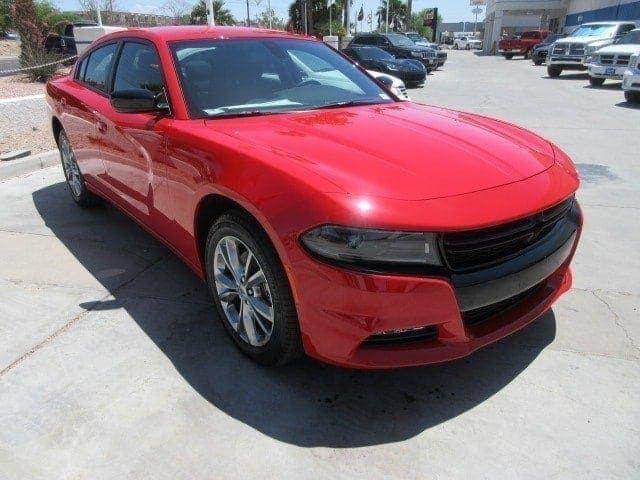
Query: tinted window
[626, 28]
[138, 67]
[98, 67]
[529, 35]
[362, 41]
[81, 68]
[400, 40]
[631, 38]
[374, 53]
[221, 77]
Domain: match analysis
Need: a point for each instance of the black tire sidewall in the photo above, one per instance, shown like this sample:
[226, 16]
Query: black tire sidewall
[85, 196]
[230, 225]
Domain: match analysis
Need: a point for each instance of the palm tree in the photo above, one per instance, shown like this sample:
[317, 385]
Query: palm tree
[397, 14]
[221, 14]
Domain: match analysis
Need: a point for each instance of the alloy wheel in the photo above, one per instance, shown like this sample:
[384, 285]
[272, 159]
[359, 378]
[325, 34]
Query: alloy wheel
[70, 167]
[243, 291]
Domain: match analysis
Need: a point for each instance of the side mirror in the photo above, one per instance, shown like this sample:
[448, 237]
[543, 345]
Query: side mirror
[137, 100]
[386, 81]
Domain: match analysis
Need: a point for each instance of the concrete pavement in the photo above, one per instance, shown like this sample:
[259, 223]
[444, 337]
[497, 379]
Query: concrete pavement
[113, 365]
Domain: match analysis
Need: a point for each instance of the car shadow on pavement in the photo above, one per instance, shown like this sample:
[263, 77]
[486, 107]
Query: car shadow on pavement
[631, 105]
[307, 404]
[569, 76]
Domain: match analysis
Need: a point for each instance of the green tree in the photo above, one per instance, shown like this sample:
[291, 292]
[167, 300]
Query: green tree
[221, 14]
[417, 23]
[269, 19]
[51, 19]
[317, 17]
[397, 15]
[5, 16]
[26, 23]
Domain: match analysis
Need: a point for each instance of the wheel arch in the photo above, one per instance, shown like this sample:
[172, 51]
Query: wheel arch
[56, 127]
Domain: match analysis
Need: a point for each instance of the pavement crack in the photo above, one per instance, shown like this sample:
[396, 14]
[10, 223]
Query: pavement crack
[618, 321]
[67, 326]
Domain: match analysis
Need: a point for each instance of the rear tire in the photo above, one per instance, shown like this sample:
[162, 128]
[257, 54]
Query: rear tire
[268, 342]
[554, 71]
[75, 180]
[631, 96]
[508, 56]
[537, 62]
[527, 55]
[455, 46]
[596, 82]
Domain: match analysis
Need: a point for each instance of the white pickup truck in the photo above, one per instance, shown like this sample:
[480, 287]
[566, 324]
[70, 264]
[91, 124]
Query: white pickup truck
[574, 52]
[610, 63]
[631, 80]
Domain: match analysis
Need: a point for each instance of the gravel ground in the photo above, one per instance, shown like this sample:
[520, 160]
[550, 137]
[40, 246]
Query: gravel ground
[19, 86]
[9, 48]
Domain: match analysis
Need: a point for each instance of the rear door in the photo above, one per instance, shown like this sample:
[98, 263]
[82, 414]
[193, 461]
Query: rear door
[133, 144]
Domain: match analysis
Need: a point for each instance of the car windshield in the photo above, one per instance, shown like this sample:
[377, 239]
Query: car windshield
[263, 76]
[631, 38]
[416, 38]
[374, 53]
[400, 40]
[595, 30]
[551, 38]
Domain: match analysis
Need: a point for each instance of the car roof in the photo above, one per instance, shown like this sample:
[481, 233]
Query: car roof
[201, 32]
[608, 23]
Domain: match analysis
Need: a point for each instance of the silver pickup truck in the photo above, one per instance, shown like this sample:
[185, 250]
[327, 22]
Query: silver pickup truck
[610, 63]
[574, 52]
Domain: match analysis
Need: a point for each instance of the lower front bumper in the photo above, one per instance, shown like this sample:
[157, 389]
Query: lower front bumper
[567, 62]
[607, 72]
[631, 81]
[341, 311]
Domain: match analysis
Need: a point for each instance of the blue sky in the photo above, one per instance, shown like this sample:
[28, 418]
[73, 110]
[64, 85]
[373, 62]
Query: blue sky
[451, 10]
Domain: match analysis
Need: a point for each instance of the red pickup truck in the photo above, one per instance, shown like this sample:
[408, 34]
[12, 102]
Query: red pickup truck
[522, 45]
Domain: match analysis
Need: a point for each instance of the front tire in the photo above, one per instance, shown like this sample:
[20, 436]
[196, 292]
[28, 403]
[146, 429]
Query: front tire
[508, 56]
[75, 181]
[251, 291]
[631, 96]
[596, 82]
[554, 71]
[455, 46]
[537, 62]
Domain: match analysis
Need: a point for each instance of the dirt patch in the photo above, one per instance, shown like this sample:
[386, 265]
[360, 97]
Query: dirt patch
[9, 48]
[38, 140]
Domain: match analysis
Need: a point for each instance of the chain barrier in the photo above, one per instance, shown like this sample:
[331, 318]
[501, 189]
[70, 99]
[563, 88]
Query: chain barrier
[26, 69]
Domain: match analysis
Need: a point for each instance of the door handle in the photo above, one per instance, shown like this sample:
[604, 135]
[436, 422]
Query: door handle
[102, 127]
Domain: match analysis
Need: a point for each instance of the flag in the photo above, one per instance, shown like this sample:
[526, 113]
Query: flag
[360, 14]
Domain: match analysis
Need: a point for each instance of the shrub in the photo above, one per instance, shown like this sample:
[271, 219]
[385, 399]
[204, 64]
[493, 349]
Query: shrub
[40, 60]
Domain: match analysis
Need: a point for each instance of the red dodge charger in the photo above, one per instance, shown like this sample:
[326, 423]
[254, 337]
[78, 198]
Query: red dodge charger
[327, 216]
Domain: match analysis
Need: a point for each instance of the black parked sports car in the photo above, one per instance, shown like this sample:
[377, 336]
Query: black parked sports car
[411, 72]
[539, 53]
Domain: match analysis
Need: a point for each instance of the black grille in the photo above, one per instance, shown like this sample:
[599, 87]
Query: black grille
[395, 337]
[471, 318]
[476, 249]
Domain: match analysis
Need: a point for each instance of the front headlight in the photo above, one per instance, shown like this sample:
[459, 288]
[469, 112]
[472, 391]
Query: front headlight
[416, 53]
[361, 245]
[634, 61]
[391, 67]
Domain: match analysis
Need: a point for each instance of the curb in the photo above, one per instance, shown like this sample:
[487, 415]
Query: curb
[14, 168]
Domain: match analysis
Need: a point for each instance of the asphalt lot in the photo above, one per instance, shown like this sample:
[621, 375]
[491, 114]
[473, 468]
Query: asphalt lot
[113, 365]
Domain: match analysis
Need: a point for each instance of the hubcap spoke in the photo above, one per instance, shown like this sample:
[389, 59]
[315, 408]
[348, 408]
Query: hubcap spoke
[261, 308]
[243, 291]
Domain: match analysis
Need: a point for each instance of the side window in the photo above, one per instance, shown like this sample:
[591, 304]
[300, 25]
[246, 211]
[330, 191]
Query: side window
[626, 28]
[81, 69]
[138, 67]
[98, 67]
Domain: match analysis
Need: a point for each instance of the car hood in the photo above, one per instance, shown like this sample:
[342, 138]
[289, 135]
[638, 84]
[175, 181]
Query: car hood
[629, 48]
[584, 40]
[400, 150]
[405, 64]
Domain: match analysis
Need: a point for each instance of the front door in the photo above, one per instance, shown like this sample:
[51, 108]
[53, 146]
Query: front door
[133, 144]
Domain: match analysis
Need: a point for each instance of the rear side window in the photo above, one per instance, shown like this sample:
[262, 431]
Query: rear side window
[530, 35]
[138, 67]
[99, 66]
[81, 68]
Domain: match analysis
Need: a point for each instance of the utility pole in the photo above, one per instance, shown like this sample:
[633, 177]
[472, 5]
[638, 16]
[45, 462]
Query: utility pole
[248, 17]
[346, 16]
[386, 22]
[270, 14]
[408, 20]
[211, 19]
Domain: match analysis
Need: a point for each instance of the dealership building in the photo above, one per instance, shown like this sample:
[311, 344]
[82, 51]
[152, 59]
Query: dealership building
[510, 17]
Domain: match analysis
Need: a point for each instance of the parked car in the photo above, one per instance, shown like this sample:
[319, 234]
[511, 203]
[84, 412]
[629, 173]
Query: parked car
[574, 51]
[325, 216]
[522, 44]
[398, 45]
[612, 61]
[631, 80]
[396, 85]
[467, 43]
[540, 51]
[65, 44]
[410, 71]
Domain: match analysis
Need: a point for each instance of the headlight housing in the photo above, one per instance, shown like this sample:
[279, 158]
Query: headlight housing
[391, 66]
[368, 246]
[416, 53]
[634, 61]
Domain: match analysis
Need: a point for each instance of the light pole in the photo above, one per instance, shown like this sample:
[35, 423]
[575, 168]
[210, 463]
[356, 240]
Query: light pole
[211, 19]
[386, 22]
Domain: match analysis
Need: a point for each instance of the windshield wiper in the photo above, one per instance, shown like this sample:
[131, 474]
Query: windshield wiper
[348, 103]
[243, 113]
